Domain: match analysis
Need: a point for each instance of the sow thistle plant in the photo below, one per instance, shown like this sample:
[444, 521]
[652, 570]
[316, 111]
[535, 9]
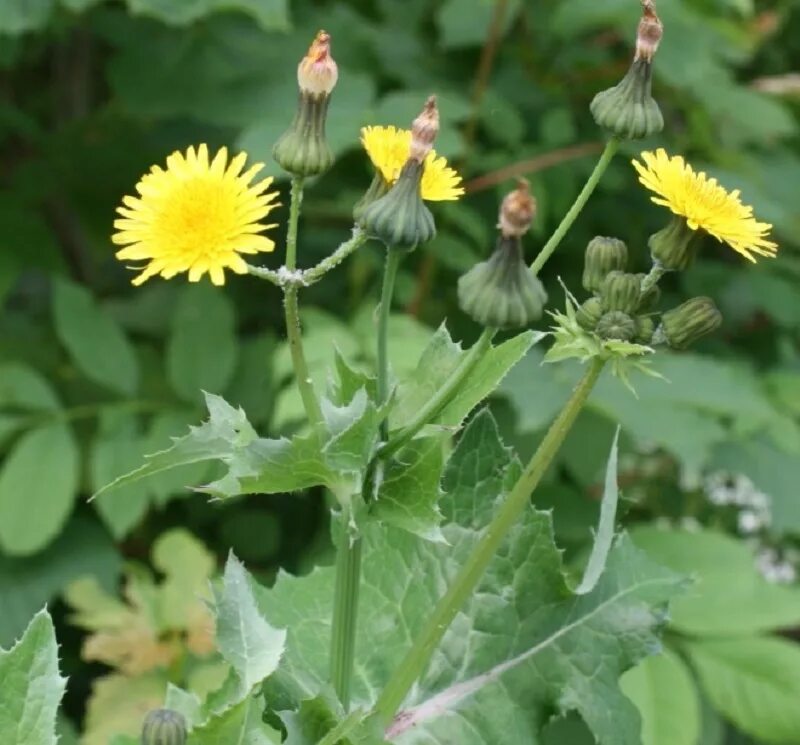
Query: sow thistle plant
[448, 615]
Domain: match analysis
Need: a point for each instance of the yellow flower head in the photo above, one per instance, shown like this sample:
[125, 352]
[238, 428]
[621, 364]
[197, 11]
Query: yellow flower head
[704, 204]
[196, 216]
[388, 149]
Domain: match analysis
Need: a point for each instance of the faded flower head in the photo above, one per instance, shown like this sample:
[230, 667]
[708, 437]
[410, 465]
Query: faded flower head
[517, 211]
[197, 216]
[649, 32]
[704, 204]
[389, 148]
[317, 72]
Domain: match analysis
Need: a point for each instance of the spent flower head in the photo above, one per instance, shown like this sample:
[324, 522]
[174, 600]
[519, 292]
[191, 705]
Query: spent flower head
[517, 211]
[704, 204]
[317, 72]
[197, 216]
[649, 32]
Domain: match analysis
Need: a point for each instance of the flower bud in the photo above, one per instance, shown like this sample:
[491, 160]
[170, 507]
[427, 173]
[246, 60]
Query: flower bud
[688, 322]
[628, 110]
[303, 150]
[674, 246]
[620, 291]
[589, 313]
[603, 255]
[645, 327]
[164, 727]
[517, 211]
[400, 218]
[616, 325]
[377, 188]
[502, 292]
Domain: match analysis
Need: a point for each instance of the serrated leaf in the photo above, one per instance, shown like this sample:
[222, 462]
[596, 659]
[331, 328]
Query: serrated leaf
[663, 690]
[523, 630]
[241, 724]
[185, 703]
[728, 595]
[202, 348]
[754, 682]
[96, 343]
[32, 685]
[39, 477]
[244, 638]
[353, 432]
[409, 491]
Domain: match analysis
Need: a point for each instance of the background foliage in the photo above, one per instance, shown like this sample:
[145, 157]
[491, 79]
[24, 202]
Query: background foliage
[94, 374]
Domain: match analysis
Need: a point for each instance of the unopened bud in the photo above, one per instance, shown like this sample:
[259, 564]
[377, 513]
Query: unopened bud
[616, 325]
[517, 211]
[589, 313]
[685, 324]
[317, 72]
[502, 292]
[603, 255]
[164, 727]
[645, 326]
[620, 291]
[649, 33]
[424, 130]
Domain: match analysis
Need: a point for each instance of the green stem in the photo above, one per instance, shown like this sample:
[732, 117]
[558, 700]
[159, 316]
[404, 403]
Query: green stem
[293, 330]
[393, 258]
[345, 614]
[316, 273]
[465, 583]
[652, 278]
[605, 158]
[442, 397]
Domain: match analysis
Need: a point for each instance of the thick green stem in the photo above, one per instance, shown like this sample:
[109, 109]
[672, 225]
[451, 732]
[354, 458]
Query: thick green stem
[465, 583]
[442, 397]
[393, 258]
[605, 158]
[345, 614]
[293, 330]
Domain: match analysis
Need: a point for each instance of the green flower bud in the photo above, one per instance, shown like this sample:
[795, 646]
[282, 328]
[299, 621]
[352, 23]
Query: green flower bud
[620, 291]
[616, 325]
[400, 218]
[628, 110]
[502, 292]
[603, 255]
[674, 246]
[164, 727]
[589, 313]
[645, 327]
[377, 188]
[303, 150]
[688, 322]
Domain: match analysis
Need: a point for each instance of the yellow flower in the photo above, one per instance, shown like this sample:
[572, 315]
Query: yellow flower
[704, 204]
[196, 216]
[388, 149]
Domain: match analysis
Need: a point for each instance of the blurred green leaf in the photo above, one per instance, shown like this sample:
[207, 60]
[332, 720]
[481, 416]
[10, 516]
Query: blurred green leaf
[754, 682]
[38, 477]
[22, 387]
[18, 16]
[467, 22]
[270, 14]
[663, 690]
[32, 685]
[202, 348]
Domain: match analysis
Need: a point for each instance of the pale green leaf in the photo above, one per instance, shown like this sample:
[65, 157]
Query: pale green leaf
[202, 349]
[32, 685]
[185, 703]
[244, 638]
[353, 433]
[409, 492]
[754, 682]
[241, 724]
[95, 342]
[664, 692]
[38, 477]
[605, 530]
[523, 630]
[729, 595]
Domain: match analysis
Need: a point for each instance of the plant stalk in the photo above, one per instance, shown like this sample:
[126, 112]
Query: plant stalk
[393, 259]
[345, 614]
[442, 397]
[465, 583]
[566, 223]
[293, 329]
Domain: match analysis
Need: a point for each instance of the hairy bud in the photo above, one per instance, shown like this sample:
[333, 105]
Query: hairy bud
[517, 211]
